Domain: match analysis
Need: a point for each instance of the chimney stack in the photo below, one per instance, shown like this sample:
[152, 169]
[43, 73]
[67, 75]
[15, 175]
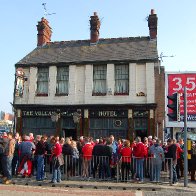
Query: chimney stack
[152, 24]
[44, 32]
[94, 28]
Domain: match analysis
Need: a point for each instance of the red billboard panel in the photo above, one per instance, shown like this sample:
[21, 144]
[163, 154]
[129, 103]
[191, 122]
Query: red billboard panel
[176, 83]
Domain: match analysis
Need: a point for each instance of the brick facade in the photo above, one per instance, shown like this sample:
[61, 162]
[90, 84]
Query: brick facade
[160, 99]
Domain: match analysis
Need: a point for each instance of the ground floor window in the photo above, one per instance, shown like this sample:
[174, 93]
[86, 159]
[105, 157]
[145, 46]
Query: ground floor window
[104, 127]
[38, 126]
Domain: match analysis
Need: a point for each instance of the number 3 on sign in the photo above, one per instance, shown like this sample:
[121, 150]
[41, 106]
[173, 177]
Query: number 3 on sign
[189, 81]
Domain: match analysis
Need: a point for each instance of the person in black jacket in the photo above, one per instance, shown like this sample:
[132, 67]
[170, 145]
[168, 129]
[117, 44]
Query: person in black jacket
[97, 158]
[193, 161]
[40, 153]
[68, 153]
[171, 153]
[107, 152]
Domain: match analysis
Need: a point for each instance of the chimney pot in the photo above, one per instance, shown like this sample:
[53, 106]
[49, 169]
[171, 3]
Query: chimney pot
[94, 28]
[152, 24]
[152, 11]
[44, 32]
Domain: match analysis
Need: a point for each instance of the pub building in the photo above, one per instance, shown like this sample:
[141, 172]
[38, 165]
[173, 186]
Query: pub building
[95, 87]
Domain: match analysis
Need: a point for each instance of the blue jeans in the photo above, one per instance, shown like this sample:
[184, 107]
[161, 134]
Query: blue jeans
[15, 164]
[7, 166]
[140, 168]
[40, 167]
[156, 171]
[56, 174]
[104, 169]
[174, 173]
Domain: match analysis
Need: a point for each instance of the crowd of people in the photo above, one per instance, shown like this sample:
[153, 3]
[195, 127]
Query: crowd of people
[25, 155]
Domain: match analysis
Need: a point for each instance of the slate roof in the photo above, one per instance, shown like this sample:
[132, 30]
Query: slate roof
[106, 50]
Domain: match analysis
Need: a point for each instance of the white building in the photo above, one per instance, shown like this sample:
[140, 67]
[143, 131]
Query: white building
[93, 87]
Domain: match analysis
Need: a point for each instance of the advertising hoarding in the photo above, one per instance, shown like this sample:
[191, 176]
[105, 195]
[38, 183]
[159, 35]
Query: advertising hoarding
[175, 82]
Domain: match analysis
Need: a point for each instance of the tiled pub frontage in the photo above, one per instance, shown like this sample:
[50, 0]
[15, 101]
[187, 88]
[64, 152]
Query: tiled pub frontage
[97, 121]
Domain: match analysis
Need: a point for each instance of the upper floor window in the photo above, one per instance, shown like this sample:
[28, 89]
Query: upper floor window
[42, 81]
[121, 80]
[62, 80]
[99, 80]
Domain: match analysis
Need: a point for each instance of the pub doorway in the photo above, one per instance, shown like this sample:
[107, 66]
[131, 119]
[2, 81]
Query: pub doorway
[141, 133]
[141, 124]
[70, 133]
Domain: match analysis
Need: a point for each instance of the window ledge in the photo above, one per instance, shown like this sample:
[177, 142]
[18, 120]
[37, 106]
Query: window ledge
[61, 94]
[42, 94]
[121, 94]
[98, 94]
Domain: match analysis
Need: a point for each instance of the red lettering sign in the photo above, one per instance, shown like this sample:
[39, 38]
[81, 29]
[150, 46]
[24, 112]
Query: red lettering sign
[176, 83]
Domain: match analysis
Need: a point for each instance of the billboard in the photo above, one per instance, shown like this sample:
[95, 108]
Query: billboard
[175, 82]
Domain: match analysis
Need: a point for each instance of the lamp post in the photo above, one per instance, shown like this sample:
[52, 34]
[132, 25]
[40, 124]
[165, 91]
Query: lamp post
[185, 140]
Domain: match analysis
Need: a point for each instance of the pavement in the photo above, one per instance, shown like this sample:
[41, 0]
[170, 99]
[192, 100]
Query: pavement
[146, 188]
[113, 188]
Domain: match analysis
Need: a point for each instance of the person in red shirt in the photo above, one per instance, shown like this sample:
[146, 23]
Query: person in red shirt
[87, 156]
[120, 144]
[146, 161]
[139, 153]
[56, 151]
[179, 159]
[126, 154]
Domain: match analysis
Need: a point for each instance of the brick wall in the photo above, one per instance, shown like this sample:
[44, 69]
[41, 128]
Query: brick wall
[160, 99]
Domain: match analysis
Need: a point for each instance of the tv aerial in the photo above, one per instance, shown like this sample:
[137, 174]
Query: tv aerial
[161, 56]
[46, 11]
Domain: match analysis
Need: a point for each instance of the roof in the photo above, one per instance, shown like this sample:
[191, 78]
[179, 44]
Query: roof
[79, 51]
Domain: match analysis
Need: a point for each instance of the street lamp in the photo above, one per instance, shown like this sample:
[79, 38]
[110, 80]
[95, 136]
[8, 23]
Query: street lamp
[76, 119]
[55, 117]
[77, 116]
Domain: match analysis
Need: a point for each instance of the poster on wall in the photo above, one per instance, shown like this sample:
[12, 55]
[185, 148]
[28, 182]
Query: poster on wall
[175, 84]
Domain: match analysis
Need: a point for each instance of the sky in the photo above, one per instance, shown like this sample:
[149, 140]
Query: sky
[119, 18]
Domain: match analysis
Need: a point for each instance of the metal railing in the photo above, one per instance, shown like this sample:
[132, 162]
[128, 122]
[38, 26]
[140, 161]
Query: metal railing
[127, 169]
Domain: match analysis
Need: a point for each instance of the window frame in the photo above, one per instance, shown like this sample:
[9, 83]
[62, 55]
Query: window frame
[120, 77]
[102, 76]
[40, 79]
[61, 80]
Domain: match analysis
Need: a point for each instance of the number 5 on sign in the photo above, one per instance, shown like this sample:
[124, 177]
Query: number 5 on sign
[190, 82]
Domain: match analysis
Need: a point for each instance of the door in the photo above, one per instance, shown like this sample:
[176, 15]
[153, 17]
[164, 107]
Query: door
[70, 133]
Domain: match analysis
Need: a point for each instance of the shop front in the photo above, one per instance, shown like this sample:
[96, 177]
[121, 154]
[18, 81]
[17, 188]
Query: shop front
[46, 121]
[90, 121]
[103, 123]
